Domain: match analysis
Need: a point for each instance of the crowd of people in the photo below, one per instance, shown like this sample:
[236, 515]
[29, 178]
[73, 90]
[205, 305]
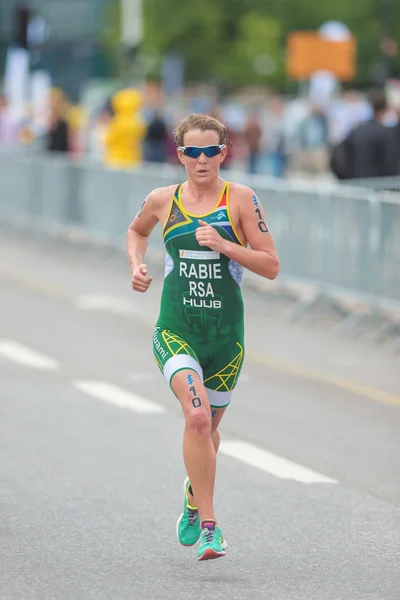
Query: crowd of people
[354, 135]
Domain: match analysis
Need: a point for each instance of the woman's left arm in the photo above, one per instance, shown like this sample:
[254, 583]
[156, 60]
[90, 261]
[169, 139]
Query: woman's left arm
[261, 257]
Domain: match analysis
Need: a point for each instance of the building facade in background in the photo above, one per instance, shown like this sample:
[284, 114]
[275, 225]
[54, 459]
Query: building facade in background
[64, 37]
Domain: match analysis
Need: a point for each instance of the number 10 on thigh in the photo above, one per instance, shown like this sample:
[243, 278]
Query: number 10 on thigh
[190, 391]
[196, 402]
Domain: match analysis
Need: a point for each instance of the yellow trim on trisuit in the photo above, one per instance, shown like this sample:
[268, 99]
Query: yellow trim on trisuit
[205, 214]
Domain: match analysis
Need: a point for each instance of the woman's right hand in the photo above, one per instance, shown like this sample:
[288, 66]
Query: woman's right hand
[140, 279]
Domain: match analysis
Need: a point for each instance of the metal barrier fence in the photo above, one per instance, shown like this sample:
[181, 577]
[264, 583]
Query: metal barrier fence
[338, 245]
[377, 183]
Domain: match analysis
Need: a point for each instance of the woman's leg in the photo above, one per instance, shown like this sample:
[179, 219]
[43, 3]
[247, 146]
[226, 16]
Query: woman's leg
[199, 452]
[217, 414]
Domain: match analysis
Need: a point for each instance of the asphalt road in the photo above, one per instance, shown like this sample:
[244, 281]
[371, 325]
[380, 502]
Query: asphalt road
[308, 488]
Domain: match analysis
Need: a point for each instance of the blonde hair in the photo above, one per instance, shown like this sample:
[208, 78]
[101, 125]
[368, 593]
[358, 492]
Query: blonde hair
[204, 123]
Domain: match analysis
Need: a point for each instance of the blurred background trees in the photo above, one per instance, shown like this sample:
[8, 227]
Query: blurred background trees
[243, 41]
[228, 42]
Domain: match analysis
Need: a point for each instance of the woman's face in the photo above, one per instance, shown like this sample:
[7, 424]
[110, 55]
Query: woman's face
[202, 170]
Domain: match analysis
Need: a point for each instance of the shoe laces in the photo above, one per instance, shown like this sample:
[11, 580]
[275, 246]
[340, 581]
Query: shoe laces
[192, 516]
[208, 535]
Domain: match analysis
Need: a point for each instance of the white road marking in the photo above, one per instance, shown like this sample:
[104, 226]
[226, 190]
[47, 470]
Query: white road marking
[271, 463]
[117, 396]
[26, 356]
[242, 451]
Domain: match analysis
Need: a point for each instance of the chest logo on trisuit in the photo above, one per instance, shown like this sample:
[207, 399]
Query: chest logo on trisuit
[198, 255]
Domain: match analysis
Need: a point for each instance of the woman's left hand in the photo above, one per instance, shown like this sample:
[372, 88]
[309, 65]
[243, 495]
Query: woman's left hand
[207, 235]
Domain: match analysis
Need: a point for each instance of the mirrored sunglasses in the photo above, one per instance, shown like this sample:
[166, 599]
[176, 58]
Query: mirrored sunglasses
[195, 151]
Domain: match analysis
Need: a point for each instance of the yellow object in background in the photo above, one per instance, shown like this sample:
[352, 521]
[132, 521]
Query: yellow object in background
[123, 143]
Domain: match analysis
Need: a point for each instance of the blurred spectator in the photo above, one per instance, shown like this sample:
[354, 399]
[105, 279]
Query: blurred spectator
[372, 149]
[172, 157]
[347, 112]
[57, 136]
[231, 136]
[77, 119]
[313, 138]
[397, 126]
[279, 135]
[252, 134]
[8, 126]
[275, 137]
[155, 143]
[126, 130]
[97, 134]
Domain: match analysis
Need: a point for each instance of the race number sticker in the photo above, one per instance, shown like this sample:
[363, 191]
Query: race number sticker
[262, 226]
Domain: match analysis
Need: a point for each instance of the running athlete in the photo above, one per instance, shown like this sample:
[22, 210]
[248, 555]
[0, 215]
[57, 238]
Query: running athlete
[211, 230]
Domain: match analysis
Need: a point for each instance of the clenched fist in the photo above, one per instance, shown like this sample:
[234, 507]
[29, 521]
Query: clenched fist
[140, 279]
[207, 235]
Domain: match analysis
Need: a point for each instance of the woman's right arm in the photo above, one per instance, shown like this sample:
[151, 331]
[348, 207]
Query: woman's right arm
[137, 241]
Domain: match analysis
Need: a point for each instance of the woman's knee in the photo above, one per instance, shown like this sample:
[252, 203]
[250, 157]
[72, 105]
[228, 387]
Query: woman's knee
[198, 421]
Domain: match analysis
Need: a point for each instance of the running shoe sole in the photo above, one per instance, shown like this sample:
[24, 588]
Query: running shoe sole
[210, 554]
